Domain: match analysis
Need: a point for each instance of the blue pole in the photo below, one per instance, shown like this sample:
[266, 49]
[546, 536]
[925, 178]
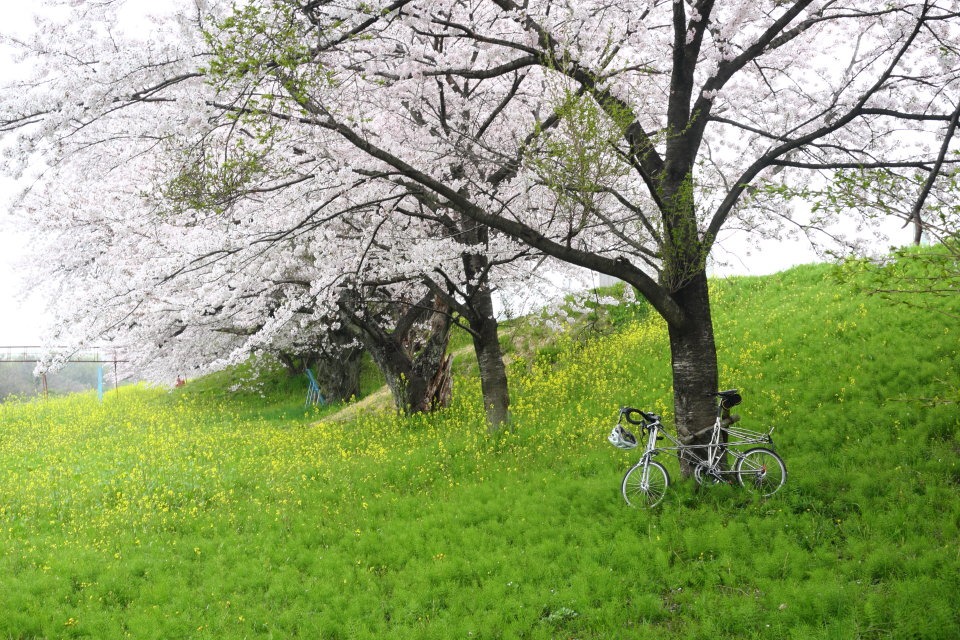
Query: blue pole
[100, 383]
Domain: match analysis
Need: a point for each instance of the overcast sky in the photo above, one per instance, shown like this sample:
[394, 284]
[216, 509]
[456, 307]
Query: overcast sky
[19, 319]
[22, 321]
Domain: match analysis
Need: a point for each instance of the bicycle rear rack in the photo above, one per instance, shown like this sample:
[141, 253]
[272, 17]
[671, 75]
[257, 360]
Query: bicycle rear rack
[738, 435]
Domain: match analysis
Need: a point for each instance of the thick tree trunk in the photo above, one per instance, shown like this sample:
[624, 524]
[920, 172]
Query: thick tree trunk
[339, 375]
[418, 374]
[292, 364]
[429, 384]
[417, 385]
[694, 360]
[336, 364]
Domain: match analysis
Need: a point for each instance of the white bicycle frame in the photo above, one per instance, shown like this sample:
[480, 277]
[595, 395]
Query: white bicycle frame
[757, 468]
[715, 449]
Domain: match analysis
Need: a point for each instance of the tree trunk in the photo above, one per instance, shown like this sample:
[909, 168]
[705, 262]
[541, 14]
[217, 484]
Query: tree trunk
[395, 367]
[693, 351]
[429, 384]
[418, 375]
[339, 374]
[290, 363]
[478, 311]
[493, 373]
[694, 359]
[416, 385]
[337, 365]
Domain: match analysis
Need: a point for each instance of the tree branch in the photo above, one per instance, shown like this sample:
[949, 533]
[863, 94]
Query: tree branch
[617, 267]
[767, 159]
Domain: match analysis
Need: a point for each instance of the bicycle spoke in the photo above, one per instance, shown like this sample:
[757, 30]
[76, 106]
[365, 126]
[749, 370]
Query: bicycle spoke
[761, 471]
[645, 484]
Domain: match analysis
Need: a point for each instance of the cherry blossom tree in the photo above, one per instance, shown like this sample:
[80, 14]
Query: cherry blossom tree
[623, 138]
[224, 235]
[620, 138]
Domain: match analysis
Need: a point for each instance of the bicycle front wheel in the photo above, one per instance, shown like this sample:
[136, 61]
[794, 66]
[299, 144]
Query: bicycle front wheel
[645, 484]
[761, 471]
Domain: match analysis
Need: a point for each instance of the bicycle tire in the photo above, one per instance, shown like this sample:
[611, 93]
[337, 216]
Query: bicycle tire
[761, 470]
[633, 490]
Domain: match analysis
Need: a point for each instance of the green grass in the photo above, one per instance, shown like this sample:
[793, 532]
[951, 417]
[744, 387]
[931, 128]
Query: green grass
[262, 388]
[191, 515]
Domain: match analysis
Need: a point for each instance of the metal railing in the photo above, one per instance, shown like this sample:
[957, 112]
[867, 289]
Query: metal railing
[95, 355]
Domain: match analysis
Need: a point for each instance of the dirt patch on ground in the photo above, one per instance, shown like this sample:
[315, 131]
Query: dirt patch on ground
[379, 400]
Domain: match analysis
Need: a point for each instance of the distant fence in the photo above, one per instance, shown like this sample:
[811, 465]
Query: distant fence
[84, 370]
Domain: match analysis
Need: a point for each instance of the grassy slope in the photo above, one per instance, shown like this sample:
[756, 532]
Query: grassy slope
[170, 515]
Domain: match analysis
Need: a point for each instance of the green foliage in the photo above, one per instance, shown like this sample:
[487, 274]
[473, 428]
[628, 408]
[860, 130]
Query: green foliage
[256, 40]
[586, 315]
[183, 515]
[684, 255]
[575, 157]
[877, 194]
[910, 275]
[258, 388]
[267, 40]
[259, 44]
[17, 379]
[209, 182]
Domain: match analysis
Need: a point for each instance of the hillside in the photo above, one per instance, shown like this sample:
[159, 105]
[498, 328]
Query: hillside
[162, 515]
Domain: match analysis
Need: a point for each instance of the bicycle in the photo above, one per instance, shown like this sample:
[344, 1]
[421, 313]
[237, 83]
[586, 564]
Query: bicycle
[759, 469]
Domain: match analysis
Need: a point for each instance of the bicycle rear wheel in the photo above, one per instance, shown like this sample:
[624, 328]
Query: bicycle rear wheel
[644, 485]
[704, 475]
[761, 471]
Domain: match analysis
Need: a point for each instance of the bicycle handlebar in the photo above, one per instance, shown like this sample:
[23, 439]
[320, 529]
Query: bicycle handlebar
[628, 413]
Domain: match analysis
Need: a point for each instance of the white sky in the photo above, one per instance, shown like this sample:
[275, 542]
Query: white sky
[22, 319]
